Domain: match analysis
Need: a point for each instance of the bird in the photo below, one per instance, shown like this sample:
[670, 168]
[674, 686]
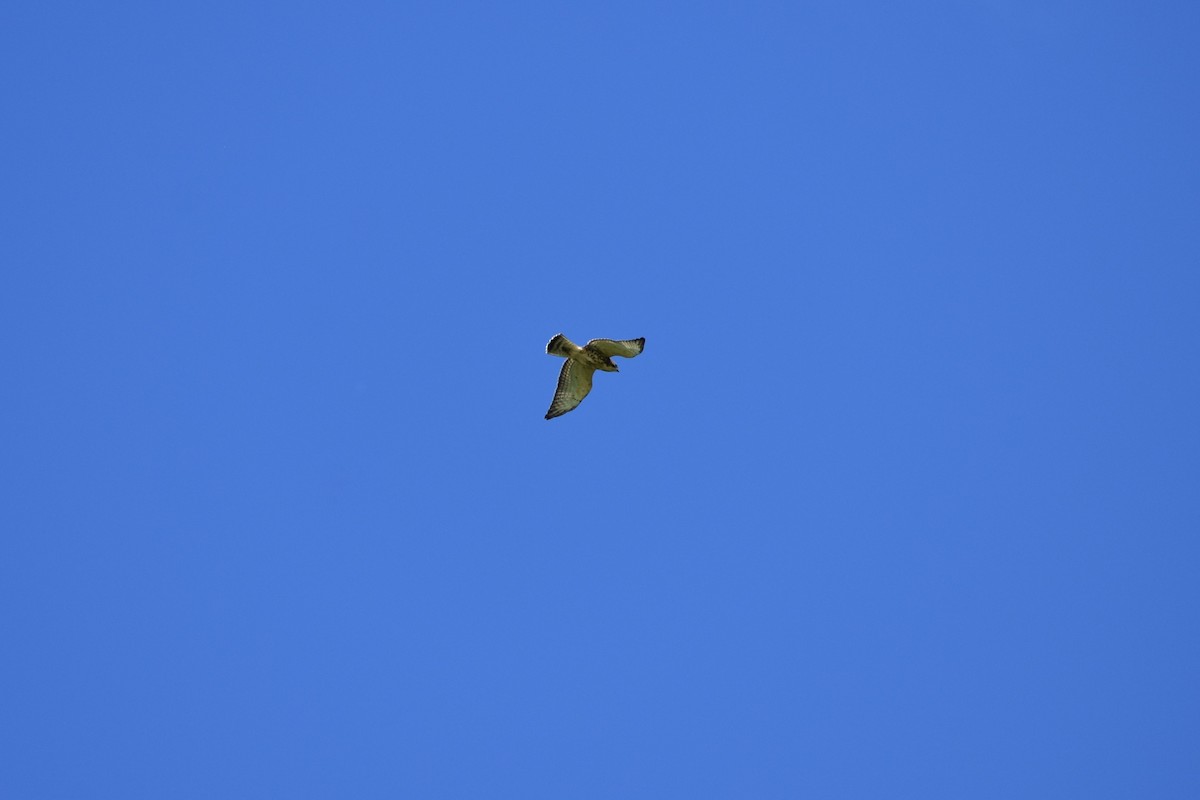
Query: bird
[575, 380]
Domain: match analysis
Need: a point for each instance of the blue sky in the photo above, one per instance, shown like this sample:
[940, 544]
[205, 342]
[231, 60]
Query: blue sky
[900, 500]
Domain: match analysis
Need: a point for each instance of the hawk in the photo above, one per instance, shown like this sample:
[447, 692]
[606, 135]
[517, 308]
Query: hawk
[575, 380]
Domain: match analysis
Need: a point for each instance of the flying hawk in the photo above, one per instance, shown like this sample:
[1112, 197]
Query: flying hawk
[575, 380]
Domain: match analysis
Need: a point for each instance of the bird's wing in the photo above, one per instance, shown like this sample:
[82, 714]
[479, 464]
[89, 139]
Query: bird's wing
[611, 347]
[574, 383]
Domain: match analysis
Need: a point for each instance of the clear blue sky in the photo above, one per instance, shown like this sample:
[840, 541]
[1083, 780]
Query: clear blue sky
[901, 500]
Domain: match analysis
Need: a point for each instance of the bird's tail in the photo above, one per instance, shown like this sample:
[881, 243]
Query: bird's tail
[560, 346]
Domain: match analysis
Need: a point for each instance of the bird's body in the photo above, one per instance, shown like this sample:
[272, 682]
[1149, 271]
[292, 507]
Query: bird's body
[575, 379]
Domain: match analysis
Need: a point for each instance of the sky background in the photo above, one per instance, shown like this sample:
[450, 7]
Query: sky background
[899, 501]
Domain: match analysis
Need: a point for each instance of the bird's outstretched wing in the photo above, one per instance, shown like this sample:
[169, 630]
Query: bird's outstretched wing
[611, 347]
[574, 383]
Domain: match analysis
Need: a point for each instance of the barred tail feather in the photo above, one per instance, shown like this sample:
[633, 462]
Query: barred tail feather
[560, 346]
